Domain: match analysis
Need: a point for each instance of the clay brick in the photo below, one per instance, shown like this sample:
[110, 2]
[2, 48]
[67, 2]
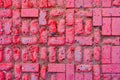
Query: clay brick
[83, 40]
[106, 3]
[83, 68]
[1, 3]
[2, 75]
[115, 54]
[69, 17]
[106, 54]
[34, 76]
[43, 35]
[16, 18]
[25, 76]
[60, 76]
[5, 40]
[56, 12]
[111, 12]
[51, 3]
[60, 2]
[96, 69]
[24, 55]
[96, 3]
[6, 13]
[115, 28]
[8, 76]
[70, 72]
[52, 26]
[7, 3]
[43, 3]
[43, 72]
[78, 3]
[79, 28]
[27, 13]
[52, 54]
[1, 53]
[34, 26]
[30, 67]
[8, 54]
[116, 3]
[88, 76]
[18, 71]
[16, 53]
[26, 4]
[88, 3]
[78, 54]
[106, 76]
[61, 26]
[43, 17]
[56, 41]
[70, 35]
[88, 26]
[97, 51]
[43, 53]
[97, 17]
[29, 40]
[106, 28]
[56, 67]
[70, 54]
[115, 76]
[110, 40]
[25, 27]
[70, 3]
[97, 36]
[6, 66]
[7, 26]
[87, 55]
[16, 3]
[79, 76]
[61, 54]
[111, 68]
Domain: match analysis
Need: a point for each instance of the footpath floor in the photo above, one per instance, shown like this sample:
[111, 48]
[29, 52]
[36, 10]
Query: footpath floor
[59, 39]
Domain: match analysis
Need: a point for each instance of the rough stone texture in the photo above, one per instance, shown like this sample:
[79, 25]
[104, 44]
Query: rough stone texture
[59, 39]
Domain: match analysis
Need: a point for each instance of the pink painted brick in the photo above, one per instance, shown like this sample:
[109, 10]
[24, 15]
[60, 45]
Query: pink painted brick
[7, 3]
[115, 28]
[88, 3]
[106, 28]
[51, 3]
[43, 72]
[70, 3]
[69, 17]
[56, 41]
[97, 17]
[34, 76]
[56, 67]
[111, 68]
[116, 3]
[16, 3]
[5, 40]
[70, 54]
[70, 72]
[8, 54]
[17, 53]
[30, 67]
[96, 3]
[24, 53]
[43, 3]
[115, 54]
[57, 12]
[18, 71]
[106, 54]
[61, 26]
[2, 75]
[43, 53]
[27, 13]
[9, 76]
[106, 3]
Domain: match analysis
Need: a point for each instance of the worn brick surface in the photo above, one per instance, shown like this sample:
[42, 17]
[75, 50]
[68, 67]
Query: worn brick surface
[59, 39]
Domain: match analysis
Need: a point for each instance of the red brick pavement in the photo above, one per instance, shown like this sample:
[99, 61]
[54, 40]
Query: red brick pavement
[59, 39]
